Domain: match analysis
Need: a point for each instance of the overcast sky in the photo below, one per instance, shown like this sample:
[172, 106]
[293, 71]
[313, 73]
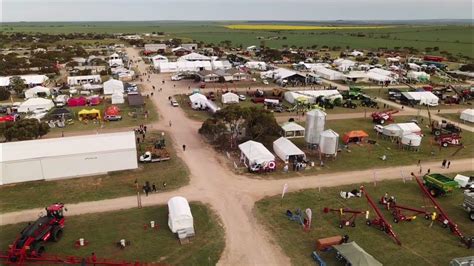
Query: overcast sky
[140, 10]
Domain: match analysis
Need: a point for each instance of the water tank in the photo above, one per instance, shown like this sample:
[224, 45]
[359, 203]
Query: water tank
[412, 140]
[329, 142]
[315, 120]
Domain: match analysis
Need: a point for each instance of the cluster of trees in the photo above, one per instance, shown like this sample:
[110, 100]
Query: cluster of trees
[27, 38]
[24, 129]
[235, 124]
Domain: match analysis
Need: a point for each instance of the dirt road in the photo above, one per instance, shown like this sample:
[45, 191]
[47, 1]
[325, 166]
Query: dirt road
[231, 196]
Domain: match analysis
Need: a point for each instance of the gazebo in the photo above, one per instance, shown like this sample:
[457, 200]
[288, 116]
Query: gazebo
[292, 130]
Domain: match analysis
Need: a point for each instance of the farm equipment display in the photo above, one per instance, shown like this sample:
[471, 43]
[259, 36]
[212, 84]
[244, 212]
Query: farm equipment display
[438, 184]
[441, 215]
[468, 204]
[354, 93]
[30, 242]
[155, 153]
[366, 101]
[444, 128]
[384, 116]
[449, 140]
[346, 220]
[349, 104]
[399, 212]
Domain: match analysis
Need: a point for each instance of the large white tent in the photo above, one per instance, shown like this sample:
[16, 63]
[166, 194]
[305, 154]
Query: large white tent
[194, 57]
[310, 95]
[30, 80]
[35, 103]
[252, 152]
[418, 75]
[422, 97]
[328, 74]
[230, 98]
[401, 129]
[180, 217]
[117, 98]
[79, 80]
[36, 91]
[112, 86]
[292, 130]
[467, 115]
[198, 101]
[256, 65]
[68, 157]
[286, 150]
[182, 66]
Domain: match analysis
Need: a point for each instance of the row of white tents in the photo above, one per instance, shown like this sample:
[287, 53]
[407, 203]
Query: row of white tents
[311, 95]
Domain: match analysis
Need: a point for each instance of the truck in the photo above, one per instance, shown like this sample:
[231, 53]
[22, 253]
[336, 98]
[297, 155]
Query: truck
[154, 156]
[438, 184]
[444, 128]
[468, 203]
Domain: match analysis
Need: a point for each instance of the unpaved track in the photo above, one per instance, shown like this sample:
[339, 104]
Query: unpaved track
[231, 196]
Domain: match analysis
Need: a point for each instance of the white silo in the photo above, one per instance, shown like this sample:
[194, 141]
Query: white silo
[329, 142]
[315, 120]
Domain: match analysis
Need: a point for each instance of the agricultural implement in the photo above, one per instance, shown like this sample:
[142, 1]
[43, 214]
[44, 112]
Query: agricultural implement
[438, 184]
[400, 213]
[441, 215]
[384, 116]
[345, 220]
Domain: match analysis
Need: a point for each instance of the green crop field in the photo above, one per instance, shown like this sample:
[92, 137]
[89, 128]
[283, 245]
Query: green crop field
[103, 230]
[453, 38]
[422, 244]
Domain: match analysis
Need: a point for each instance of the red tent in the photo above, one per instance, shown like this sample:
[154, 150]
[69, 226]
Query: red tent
[81, 101]
[94, 100]
[112, 110]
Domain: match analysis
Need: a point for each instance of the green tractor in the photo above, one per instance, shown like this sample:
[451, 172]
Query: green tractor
[354, 93]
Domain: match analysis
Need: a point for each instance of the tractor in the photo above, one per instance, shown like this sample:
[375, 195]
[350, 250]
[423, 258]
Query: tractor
[349, 104]
[30, 241]
[368, 102]
[384, 116]
[444, 128]
[354, 93]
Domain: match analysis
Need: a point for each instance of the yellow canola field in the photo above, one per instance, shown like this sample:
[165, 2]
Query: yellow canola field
[299, 27]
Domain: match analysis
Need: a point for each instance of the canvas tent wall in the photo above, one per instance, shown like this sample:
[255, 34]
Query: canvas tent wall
[230, 98]
[293, 130]
[401, 129]
[35, 103]
[252, 152]
[38, 91]
[68, 157]
[355, 255]
[328, 74]
[198, 101]
[310, 95]
[467, 115]
[411, 140]
[179, 215]
[117, 98]
[112, 86]
[286, 150]
[255, 65]
[79, 80]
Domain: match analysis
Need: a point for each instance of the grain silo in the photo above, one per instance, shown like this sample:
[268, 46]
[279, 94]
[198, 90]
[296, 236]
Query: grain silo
[329, 142]
[315, 120]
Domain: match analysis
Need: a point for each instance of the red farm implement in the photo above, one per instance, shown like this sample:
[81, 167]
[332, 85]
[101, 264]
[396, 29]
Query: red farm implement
[347, 217]
[402, 213]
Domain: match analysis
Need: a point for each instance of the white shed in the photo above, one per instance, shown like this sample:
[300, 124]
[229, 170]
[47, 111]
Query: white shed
[198, 101]
[230, 98]
[292, 130]
[35, 103]
[180, 217]
[287, 150]
[467, 115]
[401, 129]
[117, 98]
[68, 157]
[37, 92]
[112, 85]
[252, 152]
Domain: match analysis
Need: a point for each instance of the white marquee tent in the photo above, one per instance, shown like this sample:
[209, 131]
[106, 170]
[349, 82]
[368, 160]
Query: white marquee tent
[230, 98]
[79, 80]
[411, 140]
[30, 80]
[401, 129]
[112, 86]
[252, 152]
[182, 66]
[35, 103]
[68, 157]
[117, 98]
[292, 130]
[256, 65]
[285, 149]
[418, 75]
[179, 215]
[467, 115]
[198, 101]
[423, 97]
[328, 74]
[310, 95]
[194, 57]
[35, 91]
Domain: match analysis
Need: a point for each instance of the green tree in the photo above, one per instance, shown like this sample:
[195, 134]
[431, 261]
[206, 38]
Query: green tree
[17, 84]
[25, 129]
[4, 94]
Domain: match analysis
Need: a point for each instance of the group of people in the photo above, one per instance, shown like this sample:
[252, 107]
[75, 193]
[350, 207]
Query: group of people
[445, 164]
[140, 131]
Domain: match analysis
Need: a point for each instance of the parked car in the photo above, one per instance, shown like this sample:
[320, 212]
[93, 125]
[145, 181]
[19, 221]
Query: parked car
[176, 77]
[174, 103]
[112, 117]
[242, 97]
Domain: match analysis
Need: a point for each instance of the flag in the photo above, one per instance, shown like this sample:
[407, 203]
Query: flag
[309, 215]
[285, 189]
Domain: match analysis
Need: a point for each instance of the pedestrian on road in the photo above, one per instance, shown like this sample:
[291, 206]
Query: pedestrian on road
[184, 147]
[164, 184]
[144, 128]
[443, 164]
[153, 87]
[428, 172]
[449, 163]
[151, 94]
[169, 98]
[419, 162]
[170, 123]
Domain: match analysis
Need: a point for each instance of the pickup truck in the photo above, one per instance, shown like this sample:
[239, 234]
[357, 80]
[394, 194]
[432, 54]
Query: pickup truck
[154, 157]
[468, 203]
[438, 184]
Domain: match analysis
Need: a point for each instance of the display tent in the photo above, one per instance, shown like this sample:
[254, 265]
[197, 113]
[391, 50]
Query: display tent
[412, 140]
[355, 255]
[287, 150]
[94, 100]
[117, 98]
[230, 98]
[252, 152]
[112, 110]
[467, 115]
[292, 130]
[60, 113]
[355, 136]
[81, 101]
[179, 215]
[112, 86]
[86, 114]
[38, 91]
[198, 101]
[35, 103]
[401, 129]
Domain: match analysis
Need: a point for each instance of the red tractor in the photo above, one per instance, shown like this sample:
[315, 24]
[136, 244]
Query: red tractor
[30, 242]
[384, 116]
[449, 140]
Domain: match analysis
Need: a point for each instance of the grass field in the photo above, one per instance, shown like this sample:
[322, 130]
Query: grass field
[421, 244]
[103, 230]
[453, 38]
[299, 27]
[112, 185]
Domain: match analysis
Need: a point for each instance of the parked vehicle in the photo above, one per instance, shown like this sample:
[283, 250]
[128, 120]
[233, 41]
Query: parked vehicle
[349, 104]
[368, 102]
[468, 204]
[438, 184]
[176, 77]
[174, 103]
[112, 117]
[242, 97]
[449, 140]
[444, 128]
[155, 156]
[384, 116]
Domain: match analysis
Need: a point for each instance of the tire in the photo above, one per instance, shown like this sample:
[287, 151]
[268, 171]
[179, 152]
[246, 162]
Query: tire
[395, 220]
[353, 224]
[341, 225]
[382, 121]
[427, 217]
[368, 223]
[445, 225]
[38, 250]
[437, 133]
[57, 234]
[434, 192]
[471, 216]
[445, 144]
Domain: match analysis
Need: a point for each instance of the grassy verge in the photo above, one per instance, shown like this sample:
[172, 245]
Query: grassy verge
[125, 110]
[112, 185]
[421, 244]
[103, 230]
[456, 118]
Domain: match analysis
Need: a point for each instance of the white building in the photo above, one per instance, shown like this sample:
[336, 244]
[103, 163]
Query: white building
[230, 98]
[68, 157]
[79, 80]
[328, 74]
[112, 86]
[115, 60]
[155, 47]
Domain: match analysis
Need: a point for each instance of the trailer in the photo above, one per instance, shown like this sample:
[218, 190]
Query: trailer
[158, 155]
[438, 184]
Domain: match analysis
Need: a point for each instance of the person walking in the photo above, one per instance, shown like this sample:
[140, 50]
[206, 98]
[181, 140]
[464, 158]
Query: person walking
[449, 163]
[443, 164]
[419, 163]
[184, 147]
[153, 187]
[170, 123]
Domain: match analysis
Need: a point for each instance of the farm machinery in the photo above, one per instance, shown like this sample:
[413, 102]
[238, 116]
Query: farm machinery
[384, 116]
[399, 212]
[344, 220]
[354, 93]
[452, 139]
[366, 101]
[438, 184]
[444, 128]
